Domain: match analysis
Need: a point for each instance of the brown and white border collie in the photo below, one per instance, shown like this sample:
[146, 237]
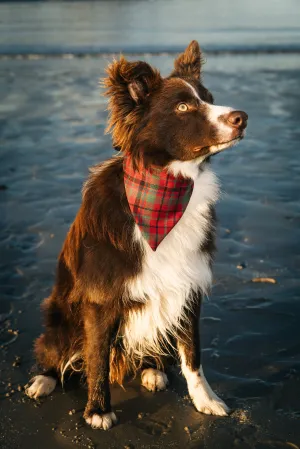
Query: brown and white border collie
[118, 306]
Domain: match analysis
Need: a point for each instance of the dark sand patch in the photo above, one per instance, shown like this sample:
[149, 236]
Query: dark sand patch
[52, 124]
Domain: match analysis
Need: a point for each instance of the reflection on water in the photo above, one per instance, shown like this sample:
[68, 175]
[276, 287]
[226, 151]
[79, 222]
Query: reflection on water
[148, 25]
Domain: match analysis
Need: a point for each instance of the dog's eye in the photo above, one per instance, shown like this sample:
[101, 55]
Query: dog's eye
[182, 107]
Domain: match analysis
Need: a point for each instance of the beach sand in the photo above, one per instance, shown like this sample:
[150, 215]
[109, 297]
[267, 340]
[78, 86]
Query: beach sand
[52, 122]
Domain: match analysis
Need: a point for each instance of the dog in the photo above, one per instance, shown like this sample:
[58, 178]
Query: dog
[134, 268]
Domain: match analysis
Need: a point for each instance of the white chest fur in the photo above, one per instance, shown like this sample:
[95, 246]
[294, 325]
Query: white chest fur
[170, 273]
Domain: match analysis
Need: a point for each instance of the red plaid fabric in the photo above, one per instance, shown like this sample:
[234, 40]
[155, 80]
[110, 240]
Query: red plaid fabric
[157, 200]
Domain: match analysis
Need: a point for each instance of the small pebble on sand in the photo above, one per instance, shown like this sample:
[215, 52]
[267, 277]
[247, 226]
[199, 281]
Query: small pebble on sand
[241, 266]
[265, 280]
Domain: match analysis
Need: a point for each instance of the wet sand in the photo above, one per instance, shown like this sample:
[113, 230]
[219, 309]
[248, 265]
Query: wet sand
[52, 124]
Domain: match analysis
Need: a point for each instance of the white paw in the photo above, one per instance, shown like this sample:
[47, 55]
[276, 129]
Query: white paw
[41, 386]
[203, 397]
[209, 404]
[104, 421]
[153, 379]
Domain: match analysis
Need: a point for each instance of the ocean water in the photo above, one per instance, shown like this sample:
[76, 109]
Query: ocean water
[52, 121]
[148, 26]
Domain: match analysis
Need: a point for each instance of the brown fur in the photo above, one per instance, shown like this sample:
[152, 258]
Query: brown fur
[188, 64]
[99, 240]
[87, 310]
[125, 112]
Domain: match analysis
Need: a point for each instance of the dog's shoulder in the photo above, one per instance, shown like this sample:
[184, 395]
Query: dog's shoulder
[105, 211]
[104, 191]
[105, 179]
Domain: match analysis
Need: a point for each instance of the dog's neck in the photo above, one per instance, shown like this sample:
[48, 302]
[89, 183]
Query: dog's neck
[157, 199]
[179, 169]
[188, 169]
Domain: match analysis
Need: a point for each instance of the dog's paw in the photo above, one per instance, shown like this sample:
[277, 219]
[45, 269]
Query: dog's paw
[40, 386]
[209, 404]
[154, 380]
[104, 421]
[204, 398]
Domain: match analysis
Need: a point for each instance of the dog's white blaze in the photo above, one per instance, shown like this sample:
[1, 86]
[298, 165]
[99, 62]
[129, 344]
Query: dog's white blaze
[203, 397]
[41, 386]
[214, 113]
[170, 273]
[195, 93]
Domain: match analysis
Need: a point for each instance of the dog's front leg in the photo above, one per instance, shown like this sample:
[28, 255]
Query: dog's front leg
[99, 327]
[188, 344]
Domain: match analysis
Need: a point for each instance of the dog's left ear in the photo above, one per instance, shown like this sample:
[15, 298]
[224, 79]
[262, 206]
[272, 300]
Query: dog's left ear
[188, 64]
[143, 79]
[129, 86]
[130, 82]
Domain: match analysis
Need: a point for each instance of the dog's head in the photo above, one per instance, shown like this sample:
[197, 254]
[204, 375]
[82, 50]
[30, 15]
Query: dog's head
[159, 120]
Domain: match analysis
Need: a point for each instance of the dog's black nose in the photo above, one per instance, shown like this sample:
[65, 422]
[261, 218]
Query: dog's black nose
[237, 119]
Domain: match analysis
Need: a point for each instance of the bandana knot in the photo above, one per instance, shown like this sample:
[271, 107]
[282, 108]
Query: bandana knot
[157, 200]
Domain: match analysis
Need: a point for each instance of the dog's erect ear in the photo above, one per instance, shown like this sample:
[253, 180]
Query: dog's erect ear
[188, 63]
[128, 85]
[136, 80]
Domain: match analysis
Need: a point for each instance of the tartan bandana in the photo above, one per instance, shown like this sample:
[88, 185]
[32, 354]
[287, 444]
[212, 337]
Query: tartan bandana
[157, 200]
